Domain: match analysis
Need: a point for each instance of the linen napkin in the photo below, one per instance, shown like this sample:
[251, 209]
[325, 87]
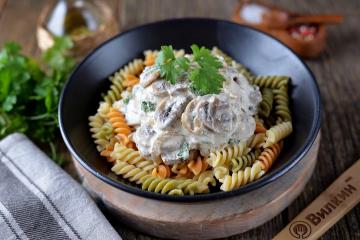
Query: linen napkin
[38, 200]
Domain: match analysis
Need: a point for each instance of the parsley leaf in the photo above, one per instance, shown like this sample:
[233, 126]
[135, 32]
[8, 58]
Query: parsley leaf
[170, 67]
[147, 106]
[126, 100]
[206, 78]
[183, 152]
[29, 94]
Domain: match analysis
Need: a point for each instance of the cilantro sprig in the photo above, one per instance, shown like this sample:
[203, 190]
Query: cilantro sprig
[204, 75]
[170, 67]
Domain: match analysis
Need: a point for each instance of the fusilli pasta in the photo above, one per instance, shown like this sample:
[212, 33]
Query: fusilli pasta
[240, 178]
[277, 133]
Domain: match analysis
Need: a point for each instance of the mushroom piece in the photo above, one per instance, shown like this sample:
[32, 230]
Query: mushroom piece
[149, 75]
[167, 145]
[209, 113]
[168, 110]
[160, 88]
[142, 137]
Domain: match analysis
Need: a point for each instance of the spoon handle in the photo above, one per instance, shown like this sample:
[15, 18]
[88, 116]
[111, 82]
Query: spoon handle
[326, 209]
[321, 19]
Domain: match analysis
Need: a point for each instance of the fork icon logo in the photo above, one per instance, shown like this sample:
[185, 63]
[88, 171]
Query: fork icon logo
[300, 230]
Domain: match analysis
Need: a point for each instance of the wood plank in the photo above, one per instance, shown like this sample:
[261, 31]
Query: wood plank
[18, 23]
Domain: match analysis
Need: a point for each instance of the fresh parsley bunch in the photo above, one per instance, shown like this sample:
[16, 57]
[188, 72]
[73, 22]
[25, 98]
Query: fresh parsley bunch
[29, 95]
[204, 75]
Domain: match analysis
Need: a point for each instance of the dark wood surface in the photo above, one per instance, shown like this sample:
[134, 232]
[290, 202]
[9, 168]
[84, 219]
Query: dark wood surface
[337, 71]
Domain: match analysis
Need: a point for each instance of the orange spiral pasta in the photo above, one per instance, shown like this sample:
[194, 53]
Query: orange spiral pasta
[118, 122]
[107, 153]
[269, 155]
[150, 57]
[259, 128]
[130, 80]
[162, 171]
[198, 166]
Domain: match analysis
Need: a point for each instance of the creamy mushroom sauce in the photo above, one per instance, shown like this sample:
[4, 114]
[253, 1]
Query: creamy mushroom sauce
[182, 121]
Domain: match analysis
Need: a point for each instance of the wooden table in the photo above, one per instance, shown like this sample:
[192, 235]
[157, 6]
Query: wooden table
[337, 72]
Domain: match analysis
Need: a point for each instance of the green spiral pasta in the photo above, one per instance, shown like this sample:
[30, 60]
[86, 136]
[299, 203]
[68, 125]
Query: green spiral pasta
[116, 88]
[223, 157]
[270, 81]
[240, 163]
[102, 132]
[206, 177]
[240, 178]
[277, 133]
[266, 104]
[282, 104]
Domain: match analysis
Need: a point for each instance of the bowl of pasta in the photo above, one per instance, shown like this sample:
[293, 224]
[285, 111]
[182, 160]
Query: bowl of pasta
[190, 110]
[217, 120]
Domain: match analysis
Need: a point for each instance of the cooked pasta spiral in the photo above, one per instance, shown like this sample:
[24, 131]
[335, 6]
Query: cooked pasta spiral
[102, 132]
[165, 186]
[150, 57]
[206, 177]
[223, 157]
[282, 104]
[259, 127]
[133, 68]
[266, 104]
[269, 155]
[198, 165]
[117, 120]
[122, 153]
[220, 172]
[162, 171]
[240, 163]
[256, 140]
[240, 178]
[270, 81]
[277, 133]
[130, 80]
[103, 109]
[114, 93]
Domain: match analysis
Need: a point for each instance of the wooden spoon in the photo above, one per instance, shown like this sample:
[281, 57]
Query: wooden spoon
[281, 20]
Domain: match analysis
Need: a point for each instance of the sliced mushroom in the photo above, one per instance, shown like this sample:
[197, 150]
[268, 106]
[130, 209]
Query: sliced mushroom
[169, 110]
[208, 113]
[142, 137]
[160, 88]
[167, 145]
[149, 75]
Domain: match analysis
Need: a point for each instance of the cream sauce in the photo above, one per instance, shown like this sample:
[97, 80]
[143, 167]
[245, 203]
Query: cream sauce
[182, 121]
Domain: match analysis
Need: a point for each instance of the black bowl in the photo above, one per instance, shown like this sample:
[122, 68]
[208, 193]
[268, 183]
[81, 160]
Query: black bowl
[256, 50]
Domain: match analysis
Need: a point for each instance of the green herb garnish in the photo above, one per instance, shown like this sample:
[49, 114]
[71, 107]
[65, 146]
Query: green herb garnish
[183, 152]
[170, 67]
[126, 100]
[29, 96]
[147, 106]
[205, 77]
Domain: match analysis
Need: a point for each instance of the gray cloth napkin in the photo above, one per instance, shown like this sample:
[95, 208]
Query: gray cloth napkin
[38, 200]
